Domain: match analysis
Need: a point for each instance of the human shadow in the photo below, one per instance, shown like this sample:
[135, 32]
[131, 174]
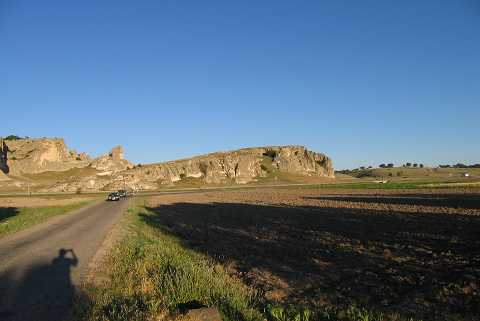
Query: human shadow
[390, 261]
[469, 201]
[43, 292]
[7, 212]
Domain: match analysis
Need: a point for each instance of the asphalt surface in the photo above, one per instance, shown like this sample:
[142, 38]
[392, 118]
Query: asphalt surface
[42, 267]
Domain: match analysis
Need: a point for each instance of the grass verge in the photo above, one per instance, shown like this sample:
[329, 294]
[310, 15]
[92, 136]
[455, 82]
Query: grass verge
[14, 219]
[151, 275]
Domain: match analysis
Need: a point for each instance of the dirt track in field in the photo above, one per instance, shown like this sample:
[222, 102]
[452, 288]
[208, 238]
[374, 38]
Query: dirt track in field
[416, 252]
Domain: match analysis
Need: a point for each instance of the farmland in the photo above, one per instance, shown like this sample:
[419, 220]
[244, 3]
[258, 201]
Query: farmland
[393, 253]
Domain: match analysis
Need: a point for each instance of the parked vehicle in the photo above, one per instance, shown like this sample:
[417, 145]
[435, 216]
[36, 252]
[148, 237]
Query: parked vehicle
[122, 193]
[113, 197]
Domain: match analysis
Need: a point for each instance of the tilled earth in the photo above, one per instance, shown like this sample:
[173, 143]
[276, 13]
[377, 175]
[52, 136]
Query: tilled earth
[413, 252]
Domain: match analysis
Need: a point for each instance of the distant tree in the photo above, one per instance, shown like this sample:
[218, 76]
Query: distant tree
[369, 167]
[382, 165]
[421, 165]
[408, 164]
[460, 165]
[362, 167]
[415, 165]
[12, 137]
[390, 165]
[444, 166]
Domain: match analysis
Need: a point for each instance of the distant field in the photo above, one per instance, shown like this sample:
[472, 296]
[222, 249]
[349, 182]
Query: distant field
[18, 213]
[416, 173]
[397, 185]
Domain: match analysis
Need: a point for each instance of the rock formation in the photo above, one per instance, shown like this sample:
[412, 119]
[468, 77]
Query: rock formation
[112, 162]
[240, 167]
[31, 156]
[22, 157]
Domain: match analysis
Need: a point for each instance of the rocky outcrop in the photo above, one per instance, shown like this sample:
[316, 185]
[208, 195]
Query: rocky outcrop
[31, 156]
[111, 162]
[241, 167]
[111, 171]
[4, 177]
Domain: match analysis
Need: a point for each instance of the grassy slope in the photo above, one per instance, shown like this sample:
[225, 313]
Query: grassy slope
[152, 275]
[16, 219]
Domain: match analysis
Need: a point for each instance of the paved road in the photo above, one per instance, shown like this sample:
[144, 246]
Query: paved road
[38, 271]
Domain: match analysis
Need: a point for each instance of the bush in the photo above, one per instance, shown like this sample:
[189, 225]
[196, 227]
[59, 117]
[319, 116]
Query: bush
[270, 153]
[12, 137]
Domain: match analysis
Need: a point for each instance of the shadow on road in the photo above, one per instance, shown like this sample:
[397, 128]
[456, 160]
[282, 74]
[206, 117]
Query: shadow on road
[7, 212]
[43, 292]
[418, 264]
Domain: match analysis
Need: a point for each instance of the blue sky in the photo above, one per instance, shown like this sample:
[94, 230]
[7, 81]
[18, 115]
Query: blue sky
[366, 82]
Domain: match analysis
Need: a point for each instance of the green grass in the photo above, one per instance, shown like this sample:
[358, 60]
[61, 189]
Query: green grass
[393, 185]
[151, 276]
[73, 173]
[328, 313]
[16, 219]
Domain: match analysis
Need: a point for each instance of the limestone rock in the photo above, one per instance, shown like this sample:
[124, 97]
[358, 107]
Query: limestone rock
[112, 171]
[113, 161]
[31, 156]
[202, 314]
[241, 166]
[4, 177]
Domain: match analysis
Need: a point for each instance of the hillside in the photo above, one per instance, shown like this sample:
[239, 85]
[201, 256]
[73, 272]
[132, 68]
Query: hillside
[47, 165]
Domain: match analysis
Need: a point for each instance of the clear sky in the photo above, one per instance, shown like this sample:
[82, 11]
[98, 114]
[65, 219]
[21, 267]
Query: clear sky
[366, 82]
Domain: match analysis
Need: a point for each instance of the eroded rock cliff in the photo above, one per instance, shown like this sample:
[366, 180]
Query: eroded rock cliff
[112, 162]
[240, 167]
[27, 160]
[31, 156]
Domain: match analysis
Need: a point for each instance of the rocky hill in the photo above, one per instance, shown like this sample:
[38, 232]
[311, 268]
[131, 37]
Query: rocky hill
[239, 167]
[49, 166]
[30, 156]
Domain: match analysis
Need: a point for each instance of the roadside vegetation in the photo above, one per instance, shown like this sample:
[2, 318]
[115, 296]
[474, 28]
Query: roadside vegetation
[13, 219]
[153, 275]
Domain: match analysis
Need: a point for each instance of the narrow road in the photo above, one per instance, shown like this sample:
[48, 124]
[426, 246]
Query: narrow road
[41, 267]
